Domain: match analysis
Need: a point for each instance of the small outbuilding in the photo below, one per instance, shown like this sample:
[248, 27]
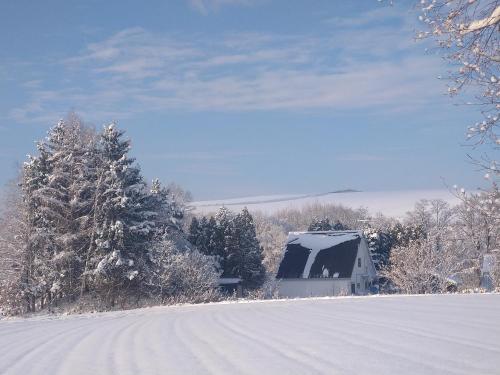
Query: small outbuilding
[231, 286]
[319, 264]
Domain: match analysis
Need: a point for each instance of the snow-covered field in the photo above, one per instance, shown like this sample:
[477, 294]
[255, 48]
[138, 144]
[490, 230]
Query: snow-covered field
[390, 203]
[446, 334]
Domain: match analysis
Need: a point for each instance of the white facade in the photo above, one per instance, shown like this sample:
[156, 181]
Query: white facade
[363, 272]
[298, 288]
[362, 275]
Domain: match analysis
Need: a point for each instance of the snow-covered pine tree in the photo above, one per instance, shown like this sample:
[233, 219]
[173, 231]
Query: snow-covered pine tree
[320, 225]
[124, 222]
[195, 232]
[225, 243]
[204, 235]
[179, 203]
[403, 234]
[68, 200]
[339, 226]
[212, 238]
[379, 244]
[165, 209]
[249, 252]
[39, 244]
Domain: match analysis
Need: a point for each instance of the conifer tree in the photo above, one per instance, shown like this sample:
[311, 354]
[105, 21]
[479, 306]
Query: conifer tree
[320, 225]
[195, 234]
[249, 252]
[124, 221]
[40, 243]
[67, 199]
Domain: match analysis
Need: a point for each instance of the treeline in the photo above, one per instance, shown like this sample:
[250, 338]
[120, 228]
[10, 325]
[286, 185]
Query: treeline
[232, 240]
[83, 222]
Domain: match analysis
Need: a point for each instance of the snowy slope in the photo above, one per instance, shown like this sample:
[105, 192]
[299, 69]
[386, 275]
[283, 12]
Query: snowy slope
[390, 203]
[447, 334]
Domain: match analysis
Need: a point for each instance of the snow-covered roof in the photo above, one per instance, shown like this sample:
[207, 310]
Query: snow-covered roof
[320, 254]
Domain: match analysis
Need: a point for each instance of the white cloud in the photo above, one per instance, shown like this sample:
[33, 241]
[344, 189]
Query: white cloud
[134, 70]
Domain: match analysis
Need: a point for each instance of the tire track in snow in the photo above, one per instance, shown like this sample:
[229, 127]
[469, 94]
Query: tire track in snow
[217, 361]
[95, 345]
[126, 359]
[345, 336]
[301, 357]
[354, 336]
[38, 342]
[423, 332]
[259, 350]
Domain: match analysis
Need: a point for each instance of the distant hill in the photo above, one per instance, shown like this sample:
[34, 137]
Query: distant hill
[389, 203]
[345, 191]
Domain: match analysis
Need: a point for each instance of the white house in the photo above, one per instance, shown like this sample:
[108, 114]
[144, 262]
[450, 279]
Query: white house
[318, 264]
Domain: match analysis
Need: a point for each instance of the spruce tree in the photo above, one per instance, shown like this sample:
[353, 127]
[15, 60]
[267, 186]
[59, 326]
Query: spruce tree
[224, 242]
[320, 225]
[379, 244]
[194, 235]
[249, 252]
[125, 223]
[213, 241]
[68, 193]
[39, 242]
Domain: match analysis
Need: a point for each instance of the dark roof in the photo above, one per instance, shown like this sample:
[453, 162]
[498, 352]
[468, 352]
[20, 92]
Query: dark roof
[320, 255]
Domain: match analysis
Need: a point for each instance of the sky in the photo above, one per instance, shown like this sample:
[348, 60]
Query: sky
[234, 98]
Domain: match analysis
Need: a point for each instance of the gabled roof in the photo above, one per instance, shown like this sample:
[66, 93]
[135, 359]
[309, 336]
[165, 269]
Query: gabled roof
[320, 254]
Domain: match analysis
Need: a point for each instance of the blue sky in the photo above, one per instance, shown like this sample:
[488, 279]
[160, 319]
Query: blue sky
[239, 97]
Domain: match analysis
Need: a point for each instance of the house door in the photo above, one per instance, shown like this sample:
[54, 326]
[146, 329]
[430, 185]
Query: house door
[353, 288]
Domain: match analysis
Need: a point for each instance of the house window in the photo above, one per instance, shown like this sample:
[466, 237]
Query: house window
[359, 262]
[358, 286]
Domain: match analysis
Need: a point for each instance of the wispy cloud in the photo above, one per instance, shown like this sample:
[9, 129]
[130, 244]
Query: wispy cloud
[136, 71]
[205, 6]
[375, 17]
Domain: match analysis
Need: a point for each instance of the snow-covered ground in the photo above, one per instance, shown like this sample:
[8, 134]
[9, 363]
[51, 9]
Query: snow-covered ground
[446, 334]
[390, 203]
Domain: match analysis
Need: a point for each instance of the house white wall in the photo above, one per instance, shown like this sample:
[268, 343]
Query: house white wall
[296, 288]
[364, 271]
